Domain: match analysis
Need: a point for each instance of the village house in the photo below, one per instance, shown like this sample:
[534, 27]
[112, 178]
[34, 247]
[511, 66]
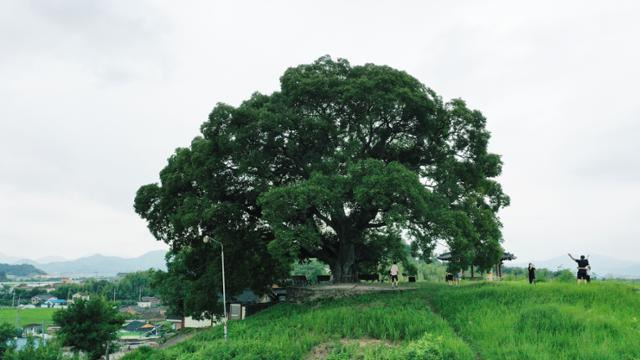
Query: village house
[139, 326]
[176, 324]
[157, 313]
[79, 296]
[133, 325]
[55, 303]
[31, 330]
[39, 299]
[190, 322]
[148, 302]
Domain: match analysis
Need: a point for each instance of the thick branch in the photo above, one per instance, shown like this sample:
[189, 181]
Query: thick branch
[375, 225]
[327, 220]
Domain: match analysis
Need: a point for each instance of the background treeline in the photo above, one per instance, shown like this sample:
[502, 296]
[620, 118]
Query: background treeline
[127, 289]
[520, 273]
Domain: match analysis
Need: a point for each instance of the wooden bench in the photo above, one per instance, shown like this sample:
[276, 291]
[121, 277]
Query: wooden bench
[299, 280]
[323, 279]
[369, 277]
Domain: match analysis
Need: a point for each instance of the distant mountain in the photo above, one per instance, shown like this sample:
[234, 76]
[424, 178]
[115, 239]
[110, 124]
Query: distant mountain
[50, 259]
[601, 265]
[42, 260]
[5, 259]
[20, 270]
[100, 265]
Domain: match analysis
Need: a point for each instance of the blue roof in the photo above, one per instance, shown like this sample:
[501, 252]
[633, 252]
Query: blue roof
[57, 301]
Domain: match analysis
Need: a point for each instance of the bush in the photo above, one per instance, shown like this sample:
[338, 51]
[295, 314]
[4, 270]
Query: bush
[564, 275]
[427, 347]
[48, 351]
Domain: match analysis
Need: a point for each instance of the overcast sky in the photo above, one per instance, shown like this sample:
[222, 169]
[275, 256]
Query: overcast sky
[96, 95]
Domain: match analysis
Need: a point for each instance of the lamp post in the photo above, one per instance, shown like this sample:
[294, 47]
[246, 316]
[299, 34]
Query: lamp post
[206, 240]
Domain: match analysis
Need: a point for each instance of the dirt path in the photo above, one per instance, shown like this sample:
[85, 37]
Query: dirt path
[180, 338]
[172, 341]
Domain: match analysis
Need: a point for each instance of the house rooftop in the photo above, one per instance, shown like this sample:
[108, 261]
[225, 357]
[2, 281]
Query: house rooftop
[57, 301]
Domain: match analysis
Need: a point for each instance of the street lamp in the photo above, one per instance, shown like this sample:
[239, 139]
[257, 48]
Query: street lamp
[206, 240]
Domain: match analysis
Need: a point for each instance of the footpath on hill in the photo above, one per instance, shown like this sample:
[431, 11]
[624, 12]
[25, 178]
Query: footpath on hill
[337, 291]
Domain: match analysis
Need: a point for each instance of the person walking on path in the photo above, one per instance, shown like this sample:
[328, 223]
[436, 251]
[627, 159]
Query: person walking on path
[394, 274]
[532, 273]
[583, 266]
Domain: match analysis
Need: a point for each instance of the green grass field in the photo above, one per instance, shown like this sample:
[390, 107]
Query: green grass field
[26, 316]
[508, 320]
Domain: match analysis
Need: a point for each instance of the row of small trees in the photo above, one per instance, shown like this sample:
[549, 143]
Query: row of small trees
[129, 287]
[87, 326]
[125, 289]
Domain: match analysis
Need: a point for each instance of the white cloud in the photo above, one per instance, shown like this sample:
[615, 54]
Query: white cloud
[96, 95]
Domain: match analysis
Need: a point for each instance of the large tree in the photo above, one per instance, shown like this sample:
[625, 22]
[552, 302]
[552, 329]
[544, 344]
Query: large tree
[344, 164]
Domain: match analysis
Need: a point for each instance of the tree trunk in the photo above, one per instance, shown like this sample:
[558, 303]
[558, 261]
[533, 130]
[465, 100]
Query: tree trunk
[343, 268]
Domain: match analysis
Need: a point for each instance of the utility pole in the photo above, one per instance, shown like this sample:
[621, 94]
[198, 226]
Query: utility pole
[224, 294]
[114, 294]
[207, 239]
[17, 316]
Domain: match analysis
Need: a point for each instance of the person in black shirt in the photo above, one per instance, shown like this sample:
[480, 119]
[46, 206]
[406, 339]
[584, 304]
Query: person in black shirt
[583, 266]
[532, 274]
[449, 278]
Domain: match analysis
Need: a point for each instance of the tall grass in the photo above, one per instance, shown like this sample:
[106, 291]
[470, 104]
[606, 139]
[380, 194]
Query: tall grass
[291, 331]
[514, 320]
[508, 320]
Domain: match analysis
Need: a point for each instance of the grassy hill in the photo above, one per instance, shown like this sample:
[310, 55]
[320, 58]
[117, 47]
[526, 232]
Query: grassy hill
[20, 270]
[508, 320]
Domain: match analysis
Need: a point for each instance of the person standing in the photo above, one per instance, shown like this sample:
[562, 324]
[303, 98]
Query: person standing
[583, 266]
[449, 278]
[532, 273]
[456, 277]
[394, 274]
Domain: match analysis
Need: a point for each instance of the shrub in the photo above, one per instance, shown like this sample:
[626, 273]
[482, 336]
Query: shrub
[427, 347]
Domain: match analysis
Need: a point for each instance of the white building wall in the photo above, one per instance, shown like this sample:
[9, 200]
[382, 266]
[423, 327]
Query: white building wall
[190, 322]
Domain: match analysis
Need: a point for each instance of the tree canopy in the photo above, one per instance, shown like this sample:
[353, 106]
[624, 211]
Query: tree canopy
[344, 164]
[89, 325]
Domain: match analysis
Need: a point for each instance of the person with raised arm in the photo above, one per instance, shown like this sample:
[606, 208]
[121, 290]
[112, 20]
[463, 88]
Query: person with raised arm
[583, 266]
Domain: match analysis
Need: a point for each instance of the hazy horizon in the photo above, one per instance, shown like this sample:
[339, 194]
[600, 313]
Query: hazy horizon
[50, 259]
[97, 95]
